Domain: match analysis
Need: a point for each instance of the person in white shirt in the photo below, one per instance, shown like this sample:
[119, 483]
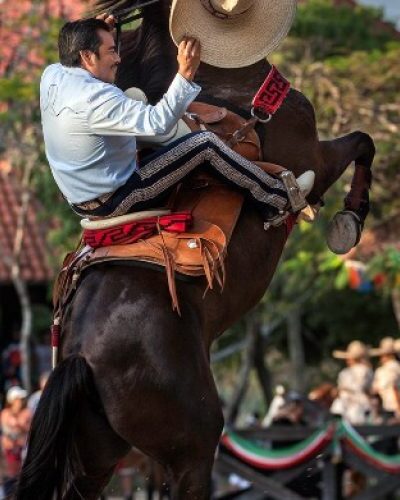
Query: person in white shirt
[386, 381]
[90, 128]
[353, 383]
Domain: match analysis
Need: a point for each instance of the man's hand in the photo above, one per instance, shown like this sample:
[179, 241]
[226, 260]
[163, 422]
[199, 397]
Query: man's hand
[108, 19]
[188, 57]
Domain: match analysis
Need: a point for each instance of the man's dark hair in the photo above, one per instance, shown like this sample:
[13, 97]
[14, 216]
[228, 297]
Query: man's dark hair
[79, 35]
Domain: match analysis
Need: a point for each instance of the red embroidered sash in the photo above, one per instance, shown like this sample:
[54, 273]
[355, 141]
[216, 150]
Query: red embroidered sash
[138, 230]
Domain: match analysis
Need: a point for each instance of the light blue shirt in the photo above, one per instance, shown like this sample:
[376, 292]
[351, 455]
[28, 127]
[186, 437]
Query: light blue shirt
[89, 128]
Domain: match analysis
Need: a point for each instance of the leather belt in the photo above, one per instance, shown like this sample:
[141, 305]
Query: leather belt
[95, 203]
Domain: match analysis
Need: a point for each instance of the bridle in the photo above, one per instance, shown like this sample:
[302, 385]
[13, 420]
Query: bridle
[123, 17]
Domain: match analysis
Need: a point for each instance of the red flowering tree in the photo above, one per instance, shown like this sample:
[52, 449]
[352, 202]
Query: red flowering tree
[28, 30]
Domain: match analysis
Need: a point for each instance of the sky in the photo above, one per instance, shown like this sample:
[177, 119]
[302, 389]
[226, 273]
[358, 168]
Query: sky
[391, 7]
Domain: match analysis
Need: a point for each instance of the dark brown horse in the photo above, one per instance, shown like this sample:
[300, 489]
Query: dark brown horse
[134, 373]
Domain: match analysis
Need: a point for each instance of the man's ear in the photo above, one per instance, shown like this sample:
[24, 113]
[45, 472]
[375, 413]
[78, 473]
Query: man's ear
[87, 57]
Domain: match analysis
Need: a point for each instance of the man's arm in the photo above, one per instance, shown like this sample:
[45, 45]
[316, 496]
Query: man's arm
[112, 113]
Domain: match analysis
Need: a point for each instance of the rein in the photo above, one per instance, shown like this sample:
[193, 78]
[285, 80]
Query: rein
[122, 17]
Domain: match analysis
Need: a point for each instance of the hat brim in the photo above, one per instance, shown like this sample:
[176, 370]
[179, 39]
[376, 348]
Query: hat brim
[382, 352]
[349, 355]
[236, 42]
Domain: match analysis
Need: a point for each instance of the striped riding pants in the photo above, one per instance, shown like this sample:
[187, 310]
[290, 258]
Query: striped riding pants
[160, 171]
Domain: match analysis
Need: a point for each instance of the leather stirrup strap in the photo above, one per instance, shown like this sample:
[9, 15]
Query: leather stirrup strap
[271, 168]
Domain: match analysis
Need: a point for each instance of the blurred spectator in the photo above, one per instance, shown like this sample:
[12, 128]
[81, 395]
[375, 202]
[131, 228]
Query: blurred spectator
[378, 416]
[34, 398]
[252, 420]
[353, 383]
[386, 381]
[11, 363]
[42, 354]
[277, 403]
[292, 413]
[15, 420]
[320, 400]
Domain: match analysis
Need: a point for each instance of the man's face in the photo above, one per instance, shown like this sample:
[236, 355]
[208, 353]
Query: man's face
[104, 66]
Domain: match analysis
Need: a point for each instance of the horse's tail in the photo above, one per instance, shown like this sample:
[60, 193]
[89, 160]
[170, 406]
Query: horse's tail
[52, 459]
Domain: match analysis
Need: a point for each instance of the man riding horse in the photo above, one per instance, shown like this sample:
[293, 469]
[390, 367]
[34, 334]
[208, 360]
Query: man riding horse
[90, 128]
[131, 371]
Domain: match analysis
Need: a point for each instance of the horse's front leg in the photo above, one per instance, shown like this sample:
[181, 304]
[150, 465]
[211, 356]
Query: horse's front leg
[346, 227]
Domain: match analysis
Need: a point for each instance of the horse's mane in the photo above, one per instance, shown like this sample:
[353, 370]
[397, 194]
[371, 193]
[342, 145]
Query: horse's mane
[113, 5]
[147, 52]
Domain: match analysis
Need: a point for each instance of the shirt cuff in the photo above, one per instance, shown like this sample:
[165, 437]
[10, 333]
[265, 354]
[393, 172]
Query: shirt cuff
[187, 84]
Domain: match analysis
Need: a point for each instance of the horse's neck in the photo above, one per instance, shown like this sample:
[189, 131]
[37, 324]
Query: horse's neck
[236, 85]
[253, 256]
[148, 59]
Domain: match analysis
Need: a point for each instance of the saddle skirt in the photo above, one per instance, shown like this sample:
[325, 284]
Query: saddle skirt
[198, 251]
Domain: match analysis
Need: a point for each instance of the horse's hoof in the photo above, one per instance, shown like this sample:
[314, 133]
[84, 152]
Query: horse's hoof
[344, 232]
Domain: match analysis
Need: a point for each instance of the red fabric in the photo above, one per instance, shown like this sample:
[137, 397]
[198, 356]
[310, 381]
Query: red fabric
[290, 222]
[55, 335]
[13, 459]
[125, 234]
[272, 93]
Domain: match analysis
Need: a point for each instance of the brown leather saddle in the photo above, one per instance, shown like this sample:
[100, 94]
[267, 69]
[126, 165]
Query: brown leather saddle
[198, 252]
[232, 129]
[215, 208]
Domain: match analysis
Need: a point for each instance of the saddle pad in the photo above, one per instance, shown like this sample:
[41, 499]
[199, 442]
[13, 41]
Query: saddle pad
[128, 233]
[122, 219]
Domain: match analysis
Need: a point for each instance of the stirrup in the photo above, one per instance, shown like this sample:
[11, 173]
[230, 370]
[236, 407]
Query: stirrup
[276, 221]
[296, 197]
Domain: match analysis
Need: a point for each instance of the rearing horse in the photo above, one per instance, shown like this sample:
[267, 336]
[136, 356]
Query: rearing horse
[134, 373]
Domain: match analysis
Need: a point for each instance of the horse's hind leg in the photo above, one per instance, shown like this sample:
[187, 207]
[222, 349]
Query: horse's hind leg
[345, 229]
[100, 449]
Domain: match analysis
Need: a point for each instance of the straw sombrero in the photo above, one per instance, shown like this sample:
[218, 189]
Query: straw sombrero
[232, 33]
[386, 346]
[355, 350]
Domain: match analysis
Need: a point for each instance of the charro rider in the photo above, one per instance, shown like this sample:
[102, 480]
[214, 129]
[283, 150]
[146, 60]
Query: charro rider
[90, 128]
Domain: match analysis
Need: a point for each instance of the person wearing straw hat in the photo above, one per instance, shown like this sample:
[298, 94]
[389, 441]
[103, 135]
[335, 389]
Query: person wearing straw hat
[387, 376]
[353, 384]
[14, 420]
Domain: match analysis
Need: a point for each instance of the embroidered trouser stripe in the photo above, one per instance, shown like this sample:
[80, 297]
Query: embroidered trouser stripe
[165, 168]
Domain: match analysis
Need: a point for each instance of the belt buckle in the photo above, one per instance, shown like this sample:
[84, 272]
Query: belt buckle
[296, 197]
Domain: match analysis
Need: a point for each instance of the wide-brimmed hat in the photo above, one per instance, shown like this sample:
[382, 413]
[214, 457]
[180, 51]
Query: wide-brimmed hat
[386, 346]
[14, 393]
[232, 33]
[355, 350]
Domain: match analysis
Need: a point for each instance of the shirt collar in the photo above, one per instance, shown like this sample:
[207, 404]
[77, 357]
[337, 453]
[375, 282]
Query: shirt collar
[76, 70]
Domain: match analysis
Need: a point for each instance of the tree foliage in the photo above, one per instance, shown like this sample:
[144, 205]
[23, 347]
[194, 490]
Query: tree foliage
[331, 29]
[347, 61]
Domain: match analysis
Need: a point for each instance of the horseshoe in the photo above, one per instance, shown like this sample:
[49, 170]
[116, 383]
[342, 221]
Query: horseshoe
[344, 232]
